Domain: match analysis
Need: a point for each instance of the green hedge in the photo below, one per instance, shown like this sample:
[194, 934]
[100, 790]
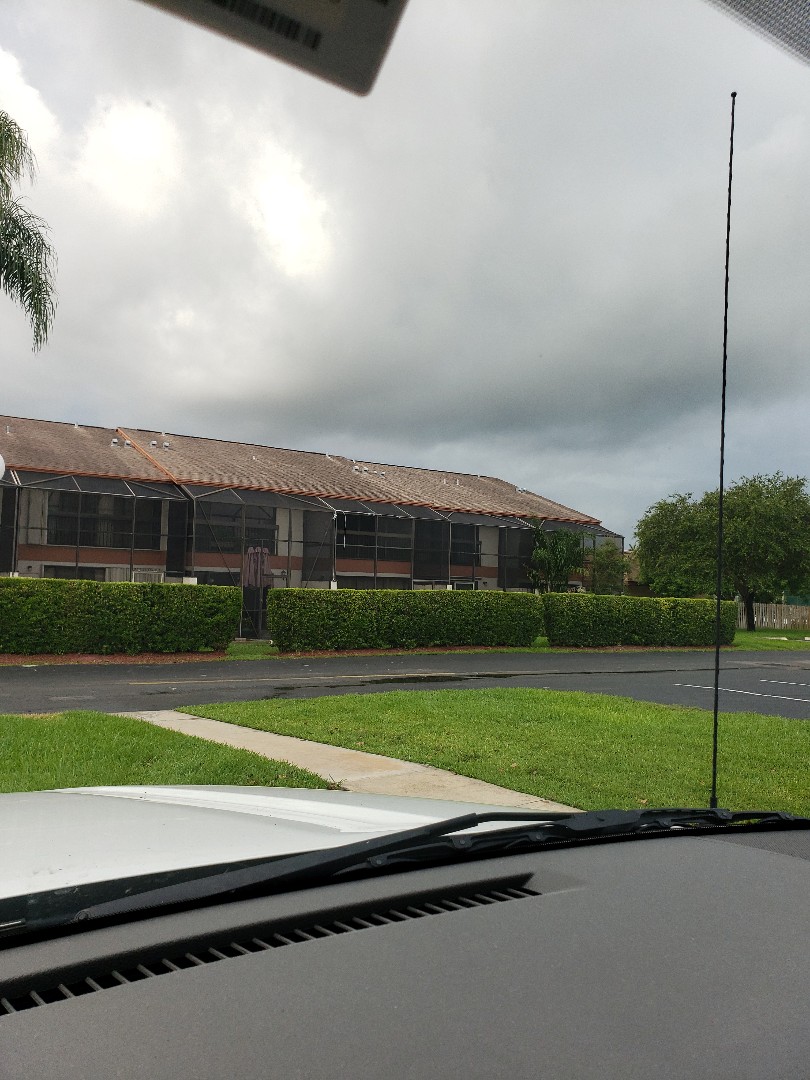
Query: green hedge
[45, 615]
[585, 620]
[301, 619]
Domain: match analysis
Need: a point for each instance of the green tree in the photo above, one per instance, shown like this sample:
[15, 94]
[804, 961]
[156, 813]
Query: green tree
[677, 548]
[556, 555]
[766, 548]
[27, 260]
[606, 568]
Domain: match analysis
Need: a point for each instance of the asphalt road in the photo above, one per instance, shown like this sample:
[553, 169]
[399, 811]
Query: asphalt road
[775, 683]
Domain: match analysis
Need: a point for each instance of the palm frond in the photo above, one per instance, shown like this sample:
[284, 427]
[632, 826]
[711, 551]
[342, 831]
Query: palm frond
[27, 265]
[16, 157]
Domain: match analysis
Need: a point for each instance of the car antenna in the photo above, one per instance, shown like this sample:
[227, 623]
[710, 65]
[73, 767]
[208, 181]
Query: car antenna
[713, 796]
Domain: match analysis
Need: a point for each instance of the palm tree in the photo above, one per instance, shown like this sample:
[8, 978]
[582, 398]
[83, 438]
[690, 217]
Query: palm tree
[27, 260]
[556, 555]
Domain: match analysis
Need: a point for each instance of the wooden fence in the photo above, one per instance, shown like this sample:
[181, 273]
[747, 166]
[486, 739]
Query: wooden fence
[776, 617]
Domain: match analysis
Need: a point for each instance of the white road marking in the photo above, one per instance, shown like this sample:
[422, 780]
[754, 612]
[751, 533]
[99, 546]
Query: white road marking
[783, 682]
[749, 693]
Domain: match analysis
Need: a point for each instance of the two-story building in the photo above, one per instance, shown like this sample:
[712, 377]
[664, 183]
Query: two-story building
[122, 504]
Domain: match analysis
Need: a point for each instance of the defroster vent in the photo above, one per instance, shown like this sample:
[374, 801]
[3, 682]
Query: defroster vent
[274, 936]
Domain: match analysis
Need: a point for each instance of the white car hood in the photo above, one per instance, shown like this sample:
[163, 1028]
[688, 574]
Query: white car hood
[73, 836]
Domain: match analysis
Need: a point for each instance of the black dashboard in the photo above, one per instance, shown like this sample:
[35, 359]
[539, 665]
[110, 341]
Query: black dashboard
[677, 957]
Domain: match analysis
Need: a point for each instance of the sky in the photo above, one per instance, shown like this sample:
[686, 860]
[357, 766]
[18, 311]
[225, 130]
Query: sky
[508, 259]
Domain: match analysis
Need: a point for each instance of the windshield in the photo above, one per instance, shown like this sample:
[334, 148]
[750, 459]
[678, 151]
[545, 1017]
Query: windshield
[457, 340]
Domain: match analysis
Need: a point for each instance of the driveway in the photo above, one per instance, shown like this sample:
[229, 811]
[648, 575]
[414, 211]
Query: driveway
[764, 682]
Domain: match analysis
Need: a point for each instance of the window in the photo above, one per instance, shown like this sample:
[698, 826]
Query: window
[394, 539]
[464, 545]
[317, 547]
[63, 518]
[260, 526]
[355, 536]
[229, 527]
[218, 527]
[432, 550]
[515, 547]
[105, 521]
[360, 536]
[148, 519]
[110, 521]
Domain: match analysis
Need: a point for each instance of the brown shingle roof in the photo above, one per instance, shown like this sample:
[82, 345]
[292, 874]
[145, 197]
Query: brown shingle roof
[48, 446]
[247, 465]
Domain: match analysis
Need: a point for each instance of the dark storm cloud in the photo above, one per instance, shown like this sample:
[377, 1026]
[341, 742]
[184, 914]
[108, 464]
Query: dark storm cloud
[508, 259]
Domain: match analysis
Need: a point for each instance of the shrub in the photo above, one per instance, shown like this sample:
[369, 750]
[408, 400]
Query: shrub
[53, 616]
[187, 618]
[300, 619]
[585, 620]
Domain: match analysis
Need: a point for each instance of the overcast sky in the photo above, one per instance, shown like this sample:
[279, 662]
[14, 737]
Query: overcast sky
[508, 259]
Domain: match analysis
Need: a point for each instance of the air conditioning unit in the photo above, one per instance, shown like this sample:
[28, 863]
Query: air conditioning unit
[151, 577]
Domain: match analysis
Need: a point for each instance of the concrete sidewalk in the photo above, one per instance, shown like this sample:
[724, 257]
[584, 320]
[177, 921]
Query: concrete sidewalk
[353, 770]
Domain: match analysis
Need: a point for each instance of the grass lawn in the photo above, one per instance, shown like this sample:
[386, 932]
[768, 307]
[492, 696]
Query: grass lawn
[772, 639]
[587, 750]
[263, 650]
[84, 749]
[755, 640]
[253, 649]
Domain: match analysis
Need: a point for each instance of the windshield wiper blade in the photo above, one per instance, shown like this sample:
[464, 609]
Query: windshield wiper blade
[437, 841]
[588, 827]
[286, 871]
[637, 822]
[440, 841]
[323, 865]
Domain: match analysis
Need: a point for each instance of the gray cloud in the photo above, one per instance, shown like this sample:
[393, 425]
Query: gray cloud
[508, 259]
